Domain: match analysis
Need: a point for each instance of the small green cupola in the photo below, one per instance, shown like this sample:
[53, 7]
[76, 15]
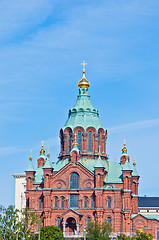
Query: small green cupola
[30, 167]
[48, 163]
[134, 172]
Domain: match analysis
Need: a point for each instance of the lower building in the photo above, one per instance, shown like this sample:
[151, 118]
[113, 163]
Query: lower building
[84, 183]
[20, 188]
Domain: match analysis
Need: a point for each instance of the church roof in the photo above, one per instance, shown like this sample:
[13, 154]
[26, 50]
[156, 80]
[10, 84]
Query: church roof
[135, 173]
[83, 113]
[30, 167]
[148, 202]
[48, 163]
[148, 216]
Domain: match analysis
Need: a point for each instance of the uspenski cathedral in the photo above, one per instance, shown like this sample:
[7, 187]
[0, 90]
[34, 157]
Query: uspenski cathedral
[84, 183]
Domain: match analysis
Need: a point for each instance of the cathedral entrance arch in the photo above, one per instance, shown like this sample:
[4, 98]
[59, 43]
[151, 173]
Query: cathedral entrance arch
[71, 225]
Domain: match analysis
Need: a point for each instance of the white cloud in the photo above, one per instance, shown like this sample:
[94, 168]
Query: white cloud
[134, 126]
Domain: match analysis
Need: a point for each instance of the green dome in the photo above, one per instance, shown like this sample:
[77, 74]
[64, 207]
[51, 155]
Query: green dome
[83, 113]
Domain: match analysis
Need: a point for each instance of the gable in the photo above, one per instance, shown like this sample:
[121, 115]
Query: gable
[61, 179]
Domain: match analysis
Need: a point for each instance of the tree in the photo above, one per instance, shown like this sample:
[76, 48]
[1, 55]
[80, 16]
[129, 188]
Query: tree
[51, 233]
[98, 231]
[143, 236]
[13, 221]
[139, 236]
[123, 237]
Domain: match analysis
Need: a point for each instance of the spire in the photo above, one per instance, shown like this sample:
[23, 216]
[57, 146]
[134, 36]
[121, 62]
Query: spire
[99, 163]
[48, 154]
[42, 151]
[124, 149]
[83, 82]
[48, 163]
[134, 173]
[75, 143]
[30, 167]
[99, 152]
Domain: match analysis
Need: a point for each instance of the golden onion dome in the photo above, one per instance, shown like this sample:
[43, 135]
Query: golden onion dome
[124, 149]
[30, 158]
[42, 151]
[84, 82]
[134, 163]
[48, 154]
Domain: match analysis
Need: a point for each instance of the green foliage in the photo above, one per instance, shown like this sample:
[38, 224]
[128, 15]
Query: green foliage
[139, 236]
[51, 233]
[143, 236]
[13, 221]
[123, 237]
[98, 230]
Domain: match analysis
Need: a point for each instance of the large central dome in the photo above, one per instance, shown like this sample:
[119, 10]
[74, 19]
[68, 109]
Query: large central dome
[83, 113]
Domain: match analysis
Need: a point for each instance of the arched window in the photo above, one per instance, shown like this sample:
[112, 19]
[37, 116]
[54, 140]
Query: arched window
[90, 141]
[88, 221]
[56, 202]
[74, 179]
[85, 202]
[109, 220]
[40, 202]
[79, 140]
[92, 202]
[109, 202]
[69, 142]
[62, 202]
[98, 141]
[58, 222]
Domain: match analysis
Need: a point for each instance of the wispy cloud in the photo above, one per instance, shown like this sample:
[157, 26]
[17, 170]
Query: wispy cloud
[134, 126]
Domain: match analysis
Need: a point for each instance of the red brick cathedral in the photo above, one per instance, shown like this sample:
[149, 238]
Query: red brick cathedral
[83, 183]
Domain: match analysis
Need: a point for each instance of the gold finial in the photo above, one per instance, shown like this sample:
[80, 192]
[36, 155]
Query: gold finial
[83, 82]
[99, 152]
[48, 154]
[30, 155]
[42, 151]
[124, 149]
[75, 143]
[134, 163]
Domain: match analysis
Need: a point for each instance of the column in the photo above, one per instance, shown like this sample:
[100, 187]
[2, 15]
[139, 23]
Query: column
[64, 225]
[77, 227]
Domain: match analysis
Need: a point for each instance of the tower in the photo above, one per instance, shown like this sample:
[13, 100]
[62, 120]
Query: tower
[83, 120]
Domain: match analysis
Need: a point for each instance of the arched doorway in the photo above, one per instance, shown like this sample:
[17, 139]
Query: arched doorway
[71, 225]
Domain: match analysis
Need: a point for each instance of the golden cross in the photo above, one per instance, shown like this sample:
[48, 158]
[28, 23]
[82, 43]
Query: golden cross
[84, 64]
[42, 143]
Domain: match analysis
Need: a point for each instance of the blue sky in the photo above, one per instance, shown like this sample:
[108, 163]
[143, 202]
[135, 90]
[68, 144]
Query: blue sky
[42, 43]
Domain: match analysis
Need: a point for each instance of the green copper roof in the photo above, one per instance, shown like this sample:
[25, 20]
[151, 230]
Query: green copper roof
[39, 179]
[90, 163]
[126, 166]
[148, 216]
[99, 163]
[30, 167]
[135, 173]
[48, 163]
[83, 113]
